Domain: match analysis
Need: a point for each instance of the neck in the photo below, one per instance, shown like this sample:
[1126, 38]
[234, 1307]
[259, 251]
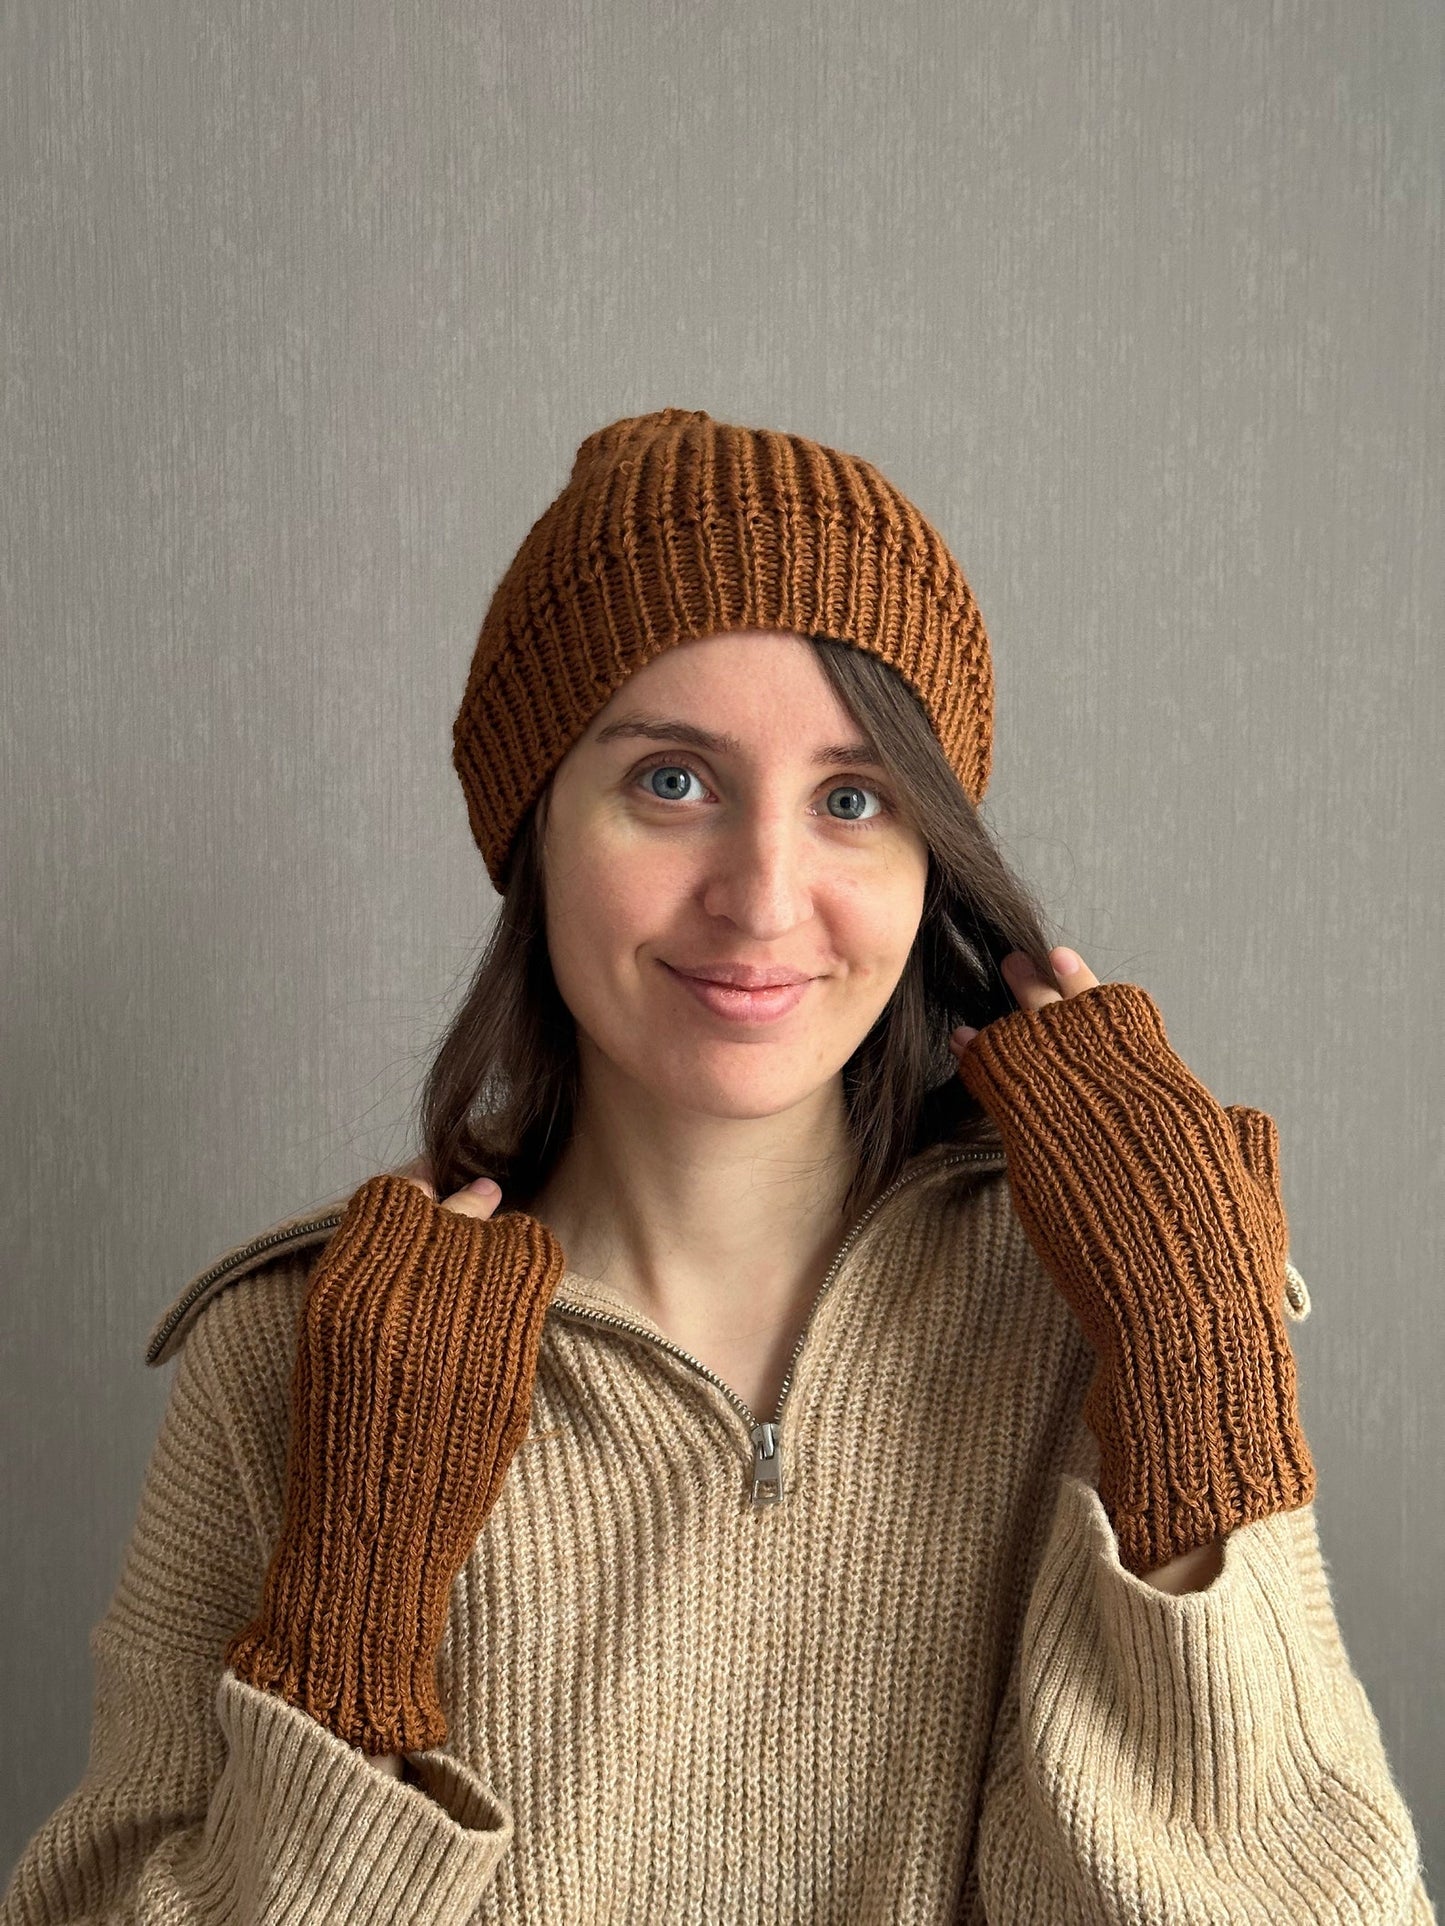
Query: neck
[723, 1224]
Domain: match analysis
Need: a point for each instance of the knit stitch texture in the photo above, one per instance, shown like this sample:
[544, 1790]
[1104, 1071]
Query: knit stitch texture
[412, 1391]
[673, 526]
[1158, 1213]
[920, 1690]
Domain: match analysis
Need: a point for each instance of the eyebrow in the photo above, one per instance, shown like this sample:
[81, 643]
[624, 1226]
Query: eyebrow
[673, 729]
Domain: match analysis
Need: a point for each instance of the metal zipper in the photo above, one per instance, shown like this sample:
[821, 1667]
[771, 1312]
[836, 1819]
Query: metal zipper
[767, 1445]
[233, 1262]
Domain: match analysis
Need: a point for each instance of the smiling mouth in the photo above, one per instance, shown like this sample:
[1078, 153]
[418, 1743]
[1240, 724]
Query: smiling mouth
[738, 977]
[726, 1000]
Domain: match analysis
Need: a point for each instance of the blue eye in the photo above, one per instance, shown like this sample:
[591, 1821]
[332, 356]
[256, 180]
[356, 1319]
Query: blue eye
[673, 769]
[856, 789]
[676, 770]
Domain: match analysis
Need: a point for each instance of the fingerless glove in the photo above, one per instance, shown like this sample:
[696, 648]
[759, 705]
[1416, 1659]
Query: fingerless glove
[412, 1389]
[1158, 1215]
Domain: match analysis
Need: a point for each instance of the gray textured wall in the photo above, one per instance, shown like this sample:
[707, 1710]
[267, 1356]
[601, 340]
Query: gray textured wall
[305, 309]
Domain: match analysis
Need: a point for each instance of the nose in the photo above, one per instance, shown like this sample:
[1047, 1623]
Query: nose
[761, 874]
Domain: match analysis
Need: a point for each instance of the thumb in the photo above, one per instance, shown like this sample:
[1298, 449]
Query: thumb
[1257, 1135]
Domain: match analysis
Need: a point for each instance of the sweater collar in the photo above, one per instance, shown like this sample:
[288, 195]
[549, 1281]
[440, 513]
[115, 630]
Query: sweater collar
[310, 1229]
[920, 1173]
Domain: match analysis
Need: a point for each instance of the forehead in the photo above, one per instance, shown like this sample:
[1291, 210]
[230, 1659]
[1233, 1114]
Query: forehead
[732, 693]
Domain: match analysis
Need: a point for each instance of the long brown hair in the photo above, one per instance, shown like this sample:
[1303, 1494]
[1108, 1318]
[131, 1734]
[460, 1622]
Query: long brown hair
[501, 1094]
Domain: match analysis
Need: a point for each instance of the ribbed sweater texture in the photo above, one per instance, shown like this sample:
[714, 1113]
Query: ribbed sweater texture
[920, 1687]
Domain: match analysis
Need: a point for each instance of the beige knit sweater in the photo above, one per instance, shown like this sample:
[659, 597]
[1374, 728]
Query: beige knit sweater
[916, 1686]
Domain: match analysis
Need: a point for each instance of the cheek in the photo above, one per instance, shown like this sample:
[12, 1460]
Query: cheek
[600, 915]
[601, 909]
[875, 918]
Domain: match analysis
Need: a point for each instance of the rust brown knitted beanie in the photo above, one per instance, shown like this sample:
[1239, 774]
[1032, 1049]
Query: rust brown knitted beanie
[672, 527]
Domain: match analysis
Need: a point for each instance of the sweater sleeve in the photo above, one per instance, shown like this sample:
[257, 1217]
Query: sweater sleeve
[1203, 1757]
[204, 1798]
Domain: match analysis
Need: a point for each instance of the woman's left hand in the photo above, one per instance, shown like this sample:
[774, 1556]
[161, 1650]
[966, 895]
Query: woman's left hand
[1157, 1213]
[1029, 989]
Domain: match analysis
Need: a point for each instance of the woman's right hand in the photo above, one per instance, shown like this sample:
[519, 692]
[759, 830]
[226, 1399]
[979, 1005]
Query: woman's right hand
[479, 1198]
[416, 1355]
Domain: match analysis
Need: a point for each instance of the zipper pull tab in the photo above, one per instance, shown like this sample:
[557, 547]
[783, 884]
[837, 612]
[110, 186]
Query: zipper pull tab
[767, 1465]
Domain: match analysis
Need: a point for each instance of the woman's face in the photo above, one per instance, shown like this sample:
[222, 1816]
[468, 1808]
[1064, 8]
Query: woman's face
[662, 856]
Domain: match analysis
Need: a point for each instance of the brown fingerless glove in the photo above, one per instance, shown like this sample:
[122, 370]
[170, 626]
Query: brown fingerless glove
[1158, 1215]
[416, 1356]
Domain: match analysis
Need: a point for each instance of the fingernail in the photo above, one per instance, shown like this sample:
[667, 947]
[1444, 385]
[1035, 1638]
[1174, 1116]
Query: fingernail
[1065, 961]
[485, 1186]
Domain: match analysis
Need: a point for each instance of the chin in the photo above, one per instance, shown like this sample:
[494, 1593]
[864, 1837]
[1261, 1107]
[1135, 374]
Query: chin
[755, 1083]
[744, 1106]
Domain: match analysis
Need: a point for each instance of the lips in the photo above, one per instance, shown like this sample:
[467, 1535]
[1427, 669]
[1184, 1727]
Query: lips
[740, 976]
[745, 1008]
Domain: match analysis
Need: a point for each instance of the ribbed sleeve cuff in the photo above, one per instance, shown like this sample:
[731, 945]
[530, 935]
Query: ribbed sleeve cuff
[1224, 1704]
[1195, 1756]
[306, 1829]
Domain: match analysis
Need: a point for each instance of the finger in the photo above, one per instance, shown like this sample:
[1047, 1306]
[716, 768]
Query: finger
[1071, 970]
[1031, 991]
[959, 1041]
[479, 1198]
[1069, 976]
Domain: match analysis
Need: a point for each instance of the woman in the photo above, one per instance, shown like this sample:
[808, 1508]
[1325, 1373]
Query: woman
[915, 1521]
